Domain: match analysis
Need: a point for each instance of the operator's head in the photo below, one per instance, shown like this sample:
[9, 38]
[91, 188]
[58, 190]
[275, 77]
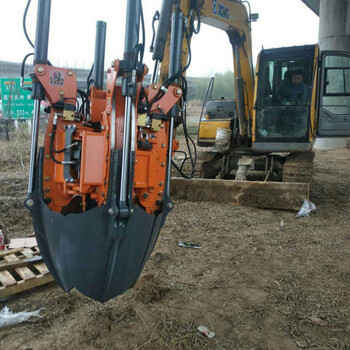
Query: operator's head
[297, 77]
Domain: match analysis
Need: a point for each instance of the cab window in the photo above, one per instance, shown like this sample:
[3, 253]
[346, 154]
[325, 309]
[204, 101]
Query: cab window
[336, 87]
[284, 90]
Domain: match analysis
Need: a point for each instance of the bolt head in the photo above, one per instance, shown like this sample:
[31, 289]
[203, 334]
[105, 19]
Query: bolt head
[29, 203]
[163, 145]
[47, 200]
[162, 164]
[111, 211]
[160, 193]
[70, 73]
[161, 183]
[145, 195]
[61, 93]
[169, 206]
[155, 86]
[178, 92]
[40, 69]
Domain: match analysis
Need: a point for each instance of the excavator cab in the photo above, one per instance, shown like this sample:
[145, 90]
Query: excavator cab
[283, 107]
[215, 114]
[300, 93]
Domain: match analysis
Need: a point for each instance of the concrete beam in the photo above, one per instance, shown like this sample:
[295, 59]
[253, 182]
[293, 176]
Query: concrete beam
[313, 5]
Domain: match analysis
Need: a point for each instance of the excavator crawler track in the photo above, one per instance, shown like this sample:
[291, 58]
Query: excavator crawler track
[298, 168]
[202, 157]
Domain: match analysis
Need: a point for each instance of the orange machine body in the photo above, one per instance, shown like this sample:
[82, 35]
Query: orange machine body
[91, 183]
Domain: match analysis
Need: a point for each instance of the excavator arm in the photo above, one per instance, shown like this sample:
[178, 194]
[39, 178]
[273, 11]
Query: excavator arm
[232, 17]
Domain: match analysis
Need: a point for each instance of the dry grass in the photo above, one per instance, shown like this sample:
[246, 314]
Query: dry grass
[14, 161]
[312, 315]
[16, 152]
[255, 285]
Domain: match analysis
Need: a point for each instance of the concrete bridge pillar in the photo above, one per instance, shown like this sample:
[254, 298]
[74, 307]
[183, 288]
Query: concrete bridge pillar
[334, 34]
[334, 28]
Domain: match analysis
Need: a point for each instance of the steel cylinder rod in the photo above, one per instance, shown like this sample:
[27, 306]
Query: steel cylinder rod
[33, 149]
[126, 148]
[132, 28]
[162, 32]
[38, 93]
[100, 47]
[177, 31]
[155, 72]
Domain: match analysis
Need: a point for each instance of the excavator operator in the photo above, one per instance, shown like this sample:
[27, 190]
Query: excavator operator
[293, 90]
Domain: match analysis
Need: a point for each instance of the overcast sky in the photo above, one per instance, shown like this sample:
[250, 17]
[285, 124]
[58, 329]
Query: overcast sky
[73, 23]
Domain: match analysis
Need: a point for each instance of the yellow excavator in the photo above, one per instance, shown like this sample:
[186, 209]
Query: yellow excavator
[268, 131]
[99, 186]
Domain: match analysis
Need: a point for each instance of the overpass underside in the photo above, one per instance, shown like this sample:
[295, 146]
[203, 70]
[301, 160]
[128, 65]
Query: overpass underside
[313, 5]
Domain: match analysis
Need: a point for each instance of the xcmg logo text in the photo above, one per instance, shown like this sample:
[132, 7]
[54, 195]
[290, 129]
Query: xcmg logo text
[220, 10]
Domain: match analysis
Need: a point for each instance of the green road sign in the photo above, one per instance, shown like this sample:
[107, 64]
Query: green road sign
[16, 102]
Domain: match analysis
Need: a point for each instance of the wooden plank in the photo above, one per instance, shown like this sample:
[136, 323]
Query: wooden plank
[3, 253]
[20, 253]
[11, 258]
[27, 252]
[28, 242]
[273, 195]
[42, 268]
[25, 285]
[14, 264]
[6, 279]
[25, 273]
[8, 265]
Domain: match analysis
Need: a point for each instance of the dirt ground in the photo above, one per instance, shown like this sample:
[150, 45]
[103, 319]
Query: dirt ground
[262, 279]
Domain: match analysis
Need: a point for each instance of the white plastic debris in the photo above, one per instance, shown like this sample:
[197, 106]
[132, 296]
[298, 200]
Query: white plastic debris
[282, 225]
[188, 245]
[206, 332]
[306, 209]
[8, 318]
